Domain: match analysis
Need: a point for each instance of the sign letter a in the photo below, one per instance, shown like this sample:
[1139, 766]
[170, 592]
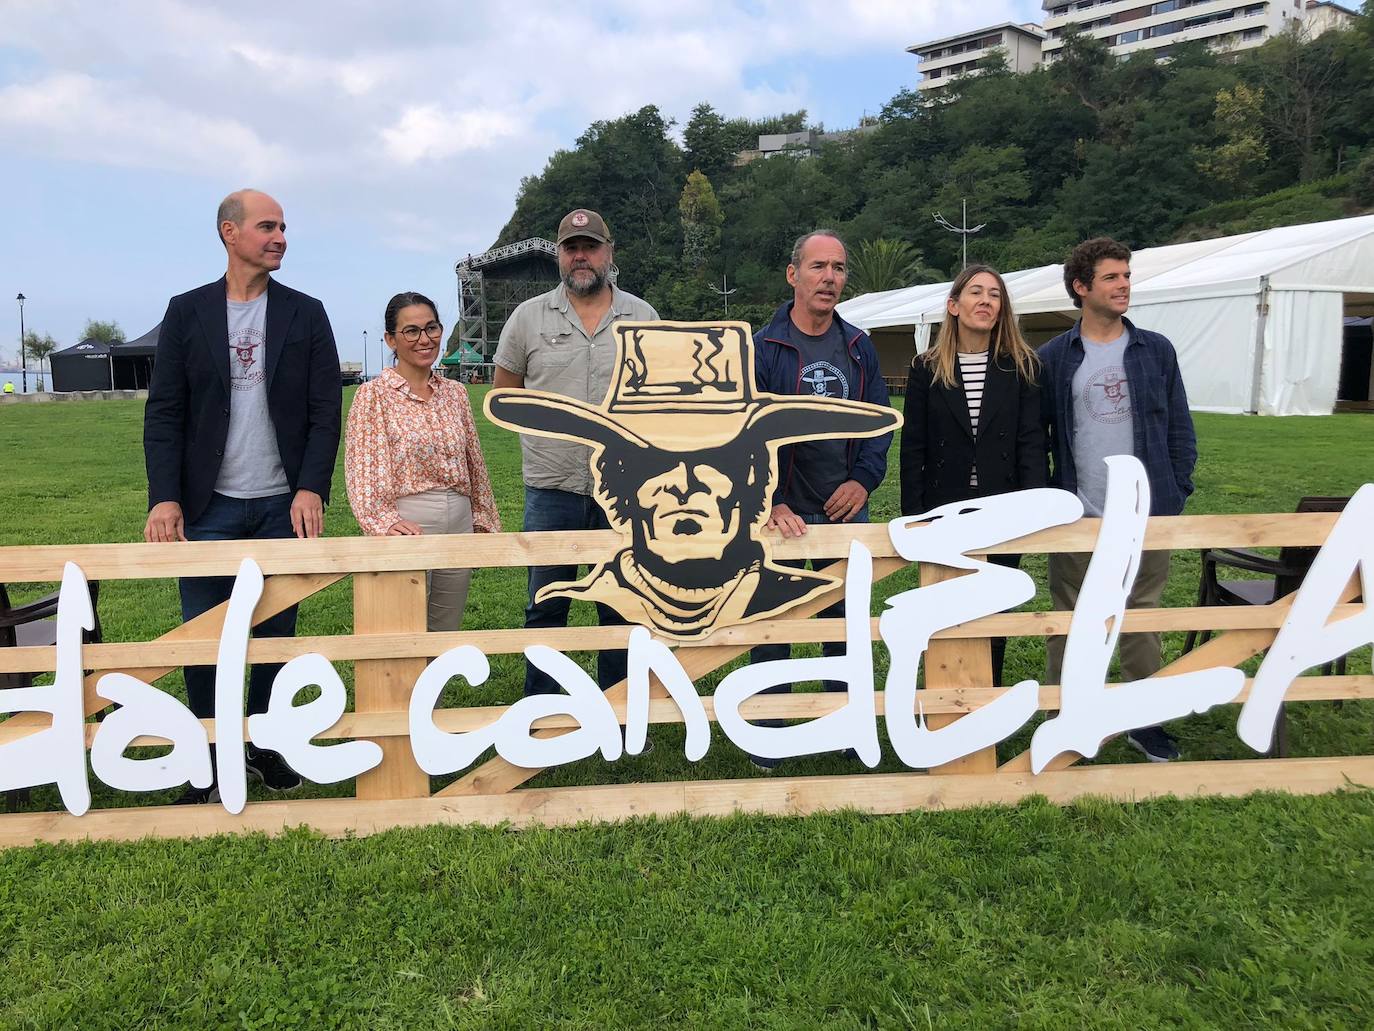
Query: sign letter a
[1306, 639]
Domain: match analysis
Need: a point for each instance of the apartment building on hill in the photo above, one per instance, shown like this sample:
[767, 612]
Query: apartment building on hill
[943, 60]
[1127, 26]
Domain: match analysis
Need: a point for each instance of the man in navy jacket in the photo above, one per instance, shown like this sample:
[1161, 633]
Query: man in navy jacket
[241, 430]
[808, 349]
[1109, 388]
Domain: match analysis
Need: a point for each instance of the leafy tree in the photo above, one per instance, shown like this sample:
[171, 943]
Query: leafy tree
[629, 170]
[887, 265]
[710, 141]
[105, 332]
[1297, 76]
[1364, 182]
[1239, 119]
[38, 348]
[1030, 247]
[701, 221]
[991, 180]
[1083, 69]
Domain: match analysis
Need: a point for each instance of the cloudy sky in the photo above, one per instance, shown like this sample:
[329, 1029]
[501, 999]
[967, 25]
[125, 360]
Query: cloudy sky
[395, 141]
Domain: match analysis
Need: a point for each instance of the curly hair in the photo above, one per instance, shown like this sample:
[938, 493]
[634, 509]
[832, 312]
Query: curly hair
[1082, 263]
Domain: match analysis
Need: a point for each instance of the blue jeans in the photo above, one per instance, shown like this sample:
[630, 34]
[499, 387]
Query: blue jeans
[770, 652]
[230, 519]
[547, 509]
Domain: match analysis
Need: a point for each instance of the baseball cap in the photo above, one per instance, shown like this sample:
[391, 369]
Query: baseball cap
[581, 222]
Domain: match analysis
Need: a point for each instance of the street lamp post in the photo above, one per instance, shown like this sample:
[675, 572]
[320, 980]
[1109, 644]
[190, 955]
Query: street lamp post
[724, 290]
[964, 229]
[23, 351]
[364, 356]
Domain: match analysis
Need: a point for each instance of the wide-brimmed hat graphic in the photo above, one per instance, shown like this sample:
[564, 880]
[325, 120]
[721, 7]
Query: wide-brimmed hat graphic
[686, 386]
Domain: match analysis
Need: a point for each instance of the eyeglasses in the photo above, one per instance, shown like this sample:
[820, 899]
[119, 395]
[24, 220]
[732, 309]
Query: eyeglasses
[412, 333]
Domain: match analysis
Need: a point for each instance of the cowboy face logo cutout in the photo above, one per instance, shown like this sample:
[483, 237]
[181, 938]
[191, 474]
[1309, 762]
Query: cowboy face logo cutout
[684, 462]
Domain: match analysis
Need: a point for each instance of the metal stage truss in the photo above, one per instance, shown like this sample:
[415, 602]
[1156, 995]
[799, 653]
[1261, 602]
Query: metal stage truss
[492, 284]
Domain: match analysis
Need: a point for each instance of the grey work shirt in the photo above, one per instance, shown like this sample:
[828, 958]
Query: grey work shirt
[543, 341]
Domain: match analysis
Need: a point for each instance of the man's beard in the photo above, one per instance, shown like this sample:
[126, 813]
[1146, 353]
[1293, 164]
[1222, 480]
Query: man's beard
[597, 284]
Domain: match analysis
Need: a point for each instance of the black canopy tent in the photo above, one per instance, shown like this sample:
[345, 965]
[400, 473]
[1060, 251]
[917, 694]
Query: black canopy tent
[96, 365]
[83, 366]
[131, 361]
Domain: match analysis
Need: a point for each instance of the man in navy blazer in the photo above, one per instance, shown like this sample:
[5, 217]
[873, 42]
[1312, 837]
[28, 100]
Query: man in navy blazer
[241, 430]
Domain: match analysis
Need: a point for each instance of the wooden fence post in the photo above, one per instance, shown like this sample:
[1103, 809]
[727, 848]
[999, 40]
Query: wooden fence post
[389, 603]
[957, 663]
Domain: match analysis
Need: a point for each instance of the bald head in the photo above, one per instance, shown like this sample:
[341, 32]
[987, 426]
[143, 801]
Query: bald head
[253, 231]
[234, 209]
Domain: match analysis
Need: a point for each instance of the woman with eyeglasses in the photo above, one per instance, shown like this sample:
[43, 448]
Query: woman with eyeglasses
[411, 455]
[971, 425]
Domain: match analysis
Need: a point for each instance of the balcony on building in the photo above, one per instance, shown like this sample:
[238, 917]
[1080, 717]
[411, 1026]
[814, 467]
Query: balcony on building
[1128, 27]
[943, 60]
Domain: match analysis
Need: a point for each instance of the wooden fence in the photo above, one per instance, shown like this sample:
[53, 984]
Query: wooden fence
[389, 649]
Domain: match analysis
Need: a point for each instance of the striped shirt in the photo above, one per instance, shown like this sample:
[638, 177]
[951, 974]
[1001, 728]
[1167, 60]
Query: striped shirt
[973, 371]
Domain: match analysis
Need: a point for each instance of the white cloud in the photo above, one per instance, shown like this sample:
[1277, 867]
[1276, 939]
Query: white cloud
[100, 121]
[362, 93]
[429, 132]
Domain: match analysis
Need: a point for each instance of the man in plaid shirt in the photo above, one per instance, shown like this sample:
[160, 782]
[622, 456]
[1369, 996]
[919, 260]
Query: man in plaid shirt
[1110, 388]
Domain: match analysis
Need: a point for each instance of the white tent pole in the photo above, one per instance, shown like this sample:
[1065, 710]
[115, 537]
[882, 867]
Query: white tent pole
[1260, 322]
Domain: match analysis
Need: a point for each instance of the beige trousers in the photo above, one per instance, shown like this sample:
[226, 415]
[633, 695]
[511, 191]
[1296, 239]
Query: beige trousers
[1140, 653]
[442, 511]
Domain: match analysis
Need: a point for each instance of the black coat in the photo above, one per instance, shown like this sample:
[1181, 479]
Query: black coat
[938, 449]
[186, 422]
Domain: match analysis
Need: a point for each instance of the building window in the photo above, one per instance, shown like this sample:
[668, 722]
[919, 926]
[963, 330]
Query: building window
[1253, 34]
[1128, 37]
[935, 73]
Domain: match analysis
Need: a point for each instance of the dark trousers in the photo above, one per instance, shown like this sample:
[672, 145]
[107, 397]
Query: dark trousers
[770, 652]
[229, 519]
[562, 510]
[999, 644]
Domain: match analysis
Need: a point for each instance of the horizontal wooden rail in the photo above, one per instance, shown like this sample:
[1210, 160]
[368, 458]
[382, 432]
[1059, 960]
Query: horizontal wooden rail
[783, 796]
[805, 706]
[342, 647]
[43, 563]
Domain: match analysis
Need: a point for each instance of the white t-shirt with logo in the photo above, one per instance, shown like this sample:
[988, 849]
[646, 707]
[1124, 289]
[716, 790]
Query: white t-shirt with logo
[1102, 420]
[251, 467]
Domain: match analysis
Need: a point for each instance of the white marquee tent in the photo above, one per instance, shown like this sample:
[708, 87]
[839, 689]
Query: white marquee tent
[1257, 319]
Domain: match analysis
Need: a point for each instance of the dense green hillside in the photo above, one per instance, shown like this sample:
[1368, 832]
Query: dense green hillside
[1149, 152]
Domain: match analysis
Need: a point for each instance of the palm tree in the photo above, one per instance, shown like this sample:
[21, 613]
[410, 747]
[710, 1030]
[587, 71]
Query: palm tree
[884, 264]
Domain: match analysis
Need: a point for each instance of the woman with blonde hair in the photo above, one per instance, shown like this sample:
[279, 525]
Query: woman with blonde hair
[972, 421]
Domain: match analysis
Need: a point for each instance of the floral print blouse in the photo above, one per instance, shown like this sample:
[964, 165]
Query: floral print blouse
[398, 444]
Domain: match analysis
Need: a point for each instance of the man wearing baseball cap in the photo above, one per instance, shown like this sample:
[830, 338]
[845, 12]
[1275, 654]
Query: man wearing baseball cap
[562, 342]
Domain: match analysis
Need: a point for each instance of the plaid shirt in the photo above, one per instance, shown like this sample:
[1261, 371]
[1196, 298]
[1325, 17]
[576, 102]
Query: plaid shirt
[1163, 428]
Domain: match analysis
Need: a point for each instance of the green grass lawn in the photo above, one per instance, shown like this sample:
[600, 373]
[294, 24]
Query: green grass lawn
[1197, 913]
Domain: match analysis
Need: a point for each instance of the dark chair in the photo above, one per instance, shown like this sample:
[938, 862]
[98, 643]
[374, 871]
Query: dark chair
[1282, 576]
[34, 624]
